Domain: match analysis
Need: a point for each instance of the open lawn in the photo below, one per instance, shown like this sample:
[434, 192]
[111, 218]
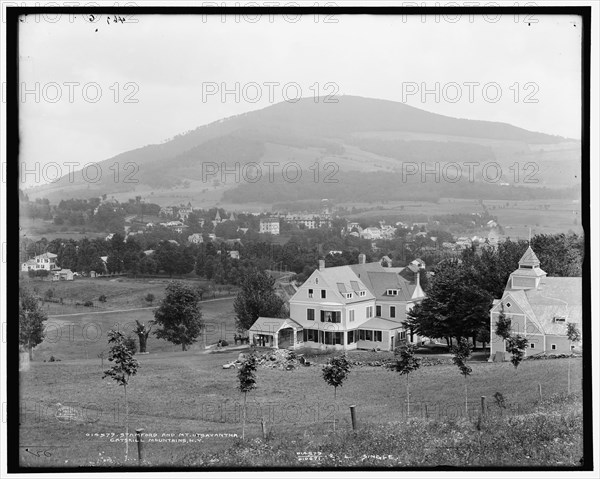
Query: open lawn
[188, 394]
[121, 292]
[83, 336]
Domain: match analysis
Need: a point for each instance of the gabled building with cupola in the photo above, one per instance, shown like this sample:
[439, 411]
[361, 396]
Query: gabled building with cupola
[539, 308]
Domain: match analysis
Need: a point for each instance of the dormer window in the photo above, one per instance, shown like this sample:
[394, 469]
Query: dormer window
[348, 295]
[392, 292]
[362, 293]
[559, 319]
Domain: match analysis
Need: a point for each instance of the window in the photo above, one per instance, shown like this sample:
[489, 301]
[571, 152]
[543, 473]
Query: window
[532, 346]
[368, 335]
[553, 346]
[559, 319]
[402, 334]
[310, 293]
[310, 335]
[338, 338]
[352, 337]
[310, 314]
[377, 310]
[508, 305]
[392, 311]
[351, 315]
[572, 346]
[323, 293]
[331, 316]
[362, 293]
[377, 335]
[361, 334]
[316, 280]
[392, 292]
[348, 295]
[369, 311]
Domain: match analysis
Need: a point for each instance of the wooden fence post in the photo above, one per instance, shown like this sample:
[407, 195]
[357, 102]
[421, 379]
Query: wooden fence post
[140, 445]
[540, 390]
[353, 416]
[264, 428]
[482, 406]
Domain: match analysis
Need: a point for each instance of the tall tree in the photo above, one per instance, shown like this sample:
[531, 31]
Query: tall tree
[125, 366]
[179, 315]
[31, 320]
[257, 298]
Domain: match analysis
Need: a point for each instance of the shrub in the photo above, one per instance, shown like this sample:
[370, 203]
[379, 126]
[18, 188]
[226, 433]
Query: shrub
[149, 297]
[88, 303]
[102, 298]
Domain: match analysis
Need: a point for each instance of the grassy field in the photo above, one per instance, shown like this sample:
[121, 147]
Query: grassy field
[83, 336]
[120, 292]
[189, 396]
[516, 218]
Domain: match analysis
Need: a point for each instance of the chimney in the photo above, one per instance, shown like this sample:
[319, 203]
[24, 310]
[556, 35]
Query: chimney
[321, 264]
[418, 278]
[362, 259]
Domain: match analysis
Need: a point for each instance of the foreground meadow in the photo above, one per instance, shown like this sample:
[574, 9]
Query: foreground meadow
[75, 418]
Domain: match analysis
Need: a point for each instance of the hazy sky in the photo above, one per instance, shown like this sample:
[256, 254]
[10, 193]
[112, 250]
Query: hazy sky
[167, 62]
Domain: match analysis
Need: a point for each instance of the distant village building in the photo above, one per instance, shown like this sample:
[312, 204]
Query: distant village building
[371, 233]
[45, 261]
[195, 238]
[176, 226]
[217, 219]
[63, 275]
[184, 211]
[539, 308]
[269, 225]
[309, 221]
[234, 254]
[464, 242]
[166, 212]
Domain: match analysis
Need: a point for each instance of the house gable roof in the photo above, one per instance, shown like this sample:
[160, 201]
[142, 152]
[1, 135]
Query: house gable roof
[339, 279]
[264, 325]
[379, 279]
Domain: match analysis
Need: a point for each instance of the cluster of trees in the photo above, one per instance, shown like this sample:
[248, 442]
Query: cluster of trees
[461, 290]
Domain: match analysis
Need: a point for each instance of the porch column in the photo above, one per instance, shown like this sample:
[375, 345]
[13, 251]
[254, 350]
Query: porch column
[295, 339]
[276, 339]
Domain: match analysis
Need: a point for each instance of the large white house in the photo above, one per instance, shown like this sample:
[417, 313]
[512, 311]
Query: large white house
[345, 307]
[45, 261]
[269, 225]
[539, 308]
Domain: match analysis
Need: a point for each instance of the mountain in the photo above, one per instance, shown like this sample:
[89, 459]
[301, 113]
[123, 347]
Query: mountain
[355, 135]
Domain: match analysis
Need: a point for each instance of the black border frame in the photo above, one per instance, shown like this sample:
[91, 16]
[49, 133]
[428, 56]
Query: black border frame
[13, 146]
